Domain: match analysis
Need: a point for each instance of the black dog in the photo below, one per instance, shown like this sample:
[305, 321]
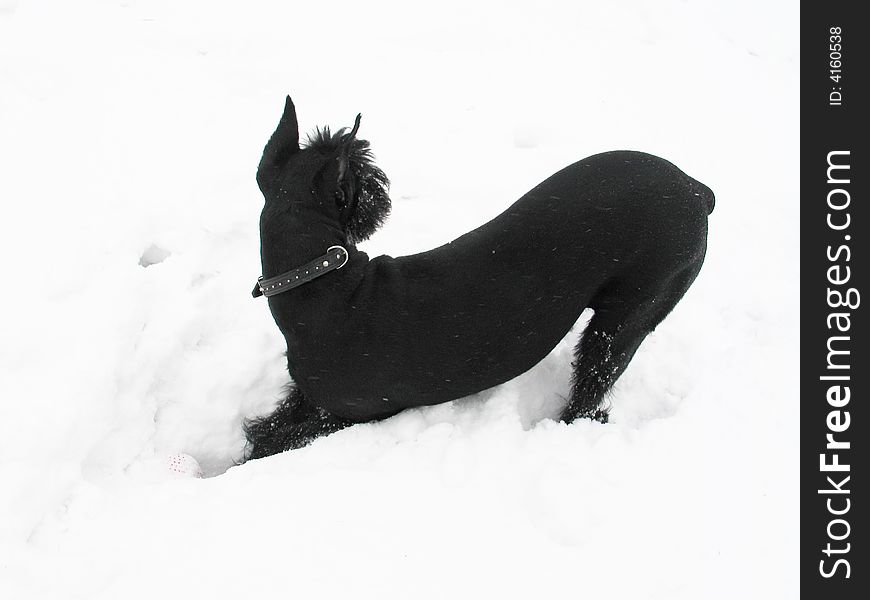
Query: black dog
[622, 232]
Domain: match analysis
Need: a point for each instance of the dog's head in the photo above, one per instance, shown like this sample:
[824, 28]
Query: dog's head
[332, 177]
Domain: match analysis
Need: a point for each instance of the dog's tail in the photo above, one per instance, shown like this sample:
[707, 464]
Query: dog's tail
[705, 194]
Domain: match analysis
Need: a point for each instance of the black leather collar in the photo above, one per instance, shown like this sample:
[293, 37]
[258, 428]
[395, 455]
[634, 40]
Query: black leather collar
[335, 258]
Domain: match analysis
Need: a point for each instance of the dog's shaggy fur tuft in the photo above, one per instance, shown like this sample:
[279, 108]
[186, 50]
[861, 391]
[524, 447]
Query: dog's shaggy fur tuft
[373, 201]
[294, 424]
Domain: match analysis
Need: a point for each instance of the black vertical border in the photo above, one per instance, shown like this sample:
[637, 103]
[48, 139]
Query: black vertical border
[826, 128]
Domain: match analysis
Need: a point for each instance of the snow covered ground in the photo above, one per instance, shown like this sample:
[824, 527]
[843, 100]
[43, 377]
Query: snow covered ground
[129, 136]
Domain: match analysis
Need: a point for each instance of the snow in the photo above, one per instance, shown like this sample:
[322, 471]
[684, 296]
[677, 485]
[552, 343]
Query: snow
[129, 136]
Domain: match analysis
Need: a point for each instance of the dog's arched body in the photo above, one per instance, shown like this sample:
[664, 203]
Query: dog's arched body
[623, 233]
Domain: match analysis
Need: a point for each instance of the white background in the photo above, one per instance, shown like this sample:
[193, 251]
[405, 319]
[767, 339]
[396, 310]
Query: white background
[131, 128]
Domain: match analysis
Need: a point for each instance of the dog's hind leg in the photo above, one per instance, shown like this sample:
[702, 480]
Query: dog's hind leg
[294, 424]
[621, 321]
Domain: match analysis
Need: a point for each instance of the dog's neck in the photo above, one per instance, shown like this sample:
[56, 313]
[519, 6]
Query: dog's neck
[296, 246]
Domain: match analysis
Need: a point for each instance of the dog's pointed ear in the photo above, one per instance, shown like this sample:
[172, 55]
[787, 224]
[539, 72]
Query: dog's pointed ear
[344, 152]
[283, 143]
